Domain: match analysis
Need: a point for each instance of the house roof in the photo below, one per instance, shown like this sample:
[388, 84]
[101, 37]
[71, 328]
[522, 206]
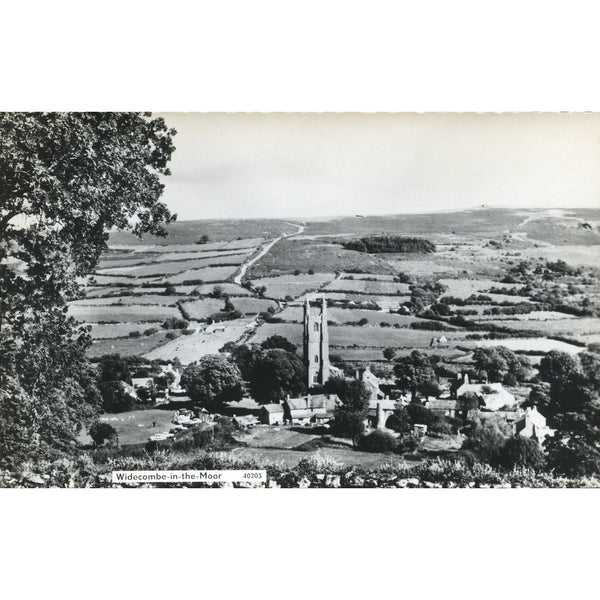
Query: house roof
[300, 414]
[141, 381]
[272, 408]
[246, 419]
[436, 404]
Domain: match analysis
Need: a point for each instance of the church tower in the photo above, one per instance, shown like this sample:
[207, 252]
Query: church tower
[316, 344]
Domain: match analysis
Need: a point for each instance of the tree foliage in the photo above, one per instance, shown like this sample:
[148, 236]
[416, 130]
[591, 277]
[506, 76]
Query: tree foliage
[351, 412]
[278, 341]
[574, 411]
[212, 381]
[275, 373]
[65, 181]
[499, 362]
[101, 432]
[389, 243]
[413, 371]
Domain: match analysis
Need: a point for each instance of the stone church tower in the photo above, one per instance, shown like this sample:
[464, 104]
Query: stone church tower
[316, 344]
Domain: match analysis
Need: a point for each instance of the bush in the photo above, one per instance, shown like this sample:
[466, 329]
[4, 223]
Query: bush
[521, 452]
[171, 335]
[101, 432]
[150, 331]
[378, 441]
[134, 334]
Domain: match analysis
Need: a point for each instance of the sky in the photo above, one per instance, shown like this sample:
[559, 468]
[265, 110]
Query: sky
[296, 165]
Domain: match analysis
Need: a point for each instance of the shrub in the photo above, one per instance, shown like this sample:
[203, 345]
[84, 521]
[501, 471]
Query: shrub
[101, 432]
[378, 441]
[150, 331]
[521, 452]
[171, 335]
[134, 334]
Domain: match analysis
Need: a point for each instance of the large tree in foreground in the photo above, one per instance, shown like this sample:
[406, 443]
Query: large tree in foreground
[66, 179]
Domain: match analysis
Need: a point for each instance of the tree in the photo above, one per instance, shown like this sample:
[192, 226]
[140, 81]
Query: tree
[413, 371]
[486, 439]
[389, 353]
[212, 381]
[521, 452]
[101, 432]
[351, 412]
[204, 239]
[66, 179]
[378, 441]
[274, 374]
[278, 341]
[539, 396]
[400, 420]
[499, 361]
[170, 289]
[574, 411]
[115, 398]
[229, 307]
[430, 388]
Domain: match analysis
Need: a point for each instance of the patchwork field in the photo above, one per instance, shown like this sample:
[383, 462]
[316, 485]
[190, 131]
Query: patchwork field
[474, 251]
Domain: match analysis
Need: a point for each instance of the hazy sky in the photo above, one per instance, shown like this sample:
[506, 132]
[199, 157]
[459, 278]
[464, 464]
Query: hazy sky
[303, 165]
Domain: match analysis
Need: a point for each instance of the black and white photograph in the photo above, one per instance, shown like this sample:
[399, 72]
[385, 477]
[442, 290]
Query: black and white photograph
[300, 300]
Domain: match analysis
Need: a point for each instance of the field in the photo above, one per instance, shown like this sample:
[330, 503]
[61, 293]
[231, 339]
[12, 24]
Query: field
[366, 336]
[189, 348]
[292, 285]
[367, 287]
[252, 306]
[168, 268]
[122, 314]
[204, 308]
[291, 254]
[345, 315]
[283, 446]
[208, 274]
[153, 299]
[530, 344]
[127, 346]
[137, 426]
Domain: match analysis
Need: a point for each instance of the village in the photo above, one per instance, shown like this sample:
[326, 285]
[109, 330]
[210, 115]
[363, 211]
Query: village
[458, 400]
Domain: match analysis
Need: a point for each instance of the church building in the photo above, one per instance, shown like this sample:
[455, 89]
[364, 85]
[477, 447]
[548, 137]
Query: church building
[316, 344]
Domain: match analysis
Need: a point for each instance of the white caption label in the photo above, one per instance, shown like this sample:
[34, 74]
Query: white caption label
[188, 476]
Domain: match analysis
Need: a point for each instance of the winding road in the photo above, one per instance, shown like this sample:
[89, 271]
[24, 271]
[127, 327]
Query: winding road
[238, 278]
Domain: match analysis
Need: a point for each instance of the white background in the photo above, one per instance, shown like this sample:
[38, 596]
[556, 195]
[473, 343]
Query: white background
[309, 56]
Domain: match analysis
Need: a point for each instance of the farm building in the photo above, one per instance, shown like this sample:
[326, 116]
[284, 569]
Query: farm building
[494, 395]
[533, 425]
[142, 382]
[379, 412]
[442, 407]
[246, 421]
[372, 383]
[271, 414]
[306, 409]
